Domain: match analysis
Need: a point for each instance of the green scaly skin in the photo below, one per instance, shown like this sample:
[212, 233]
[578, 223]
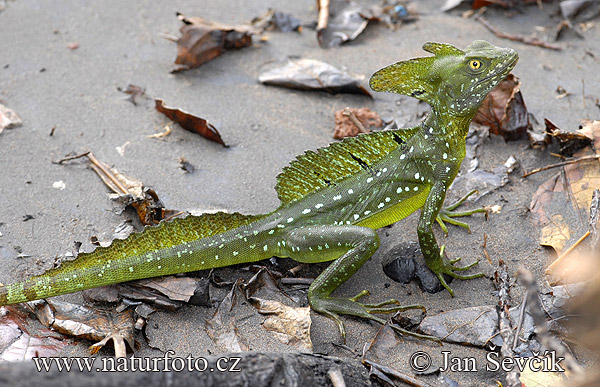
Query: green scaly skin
[332, 200]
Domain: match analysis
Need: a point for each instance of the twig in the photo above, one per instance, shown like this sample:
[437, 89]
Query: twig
[336, 377]
[566, 252]
[485, 252]
[106, 172]
[563, 163]
[348, 113]
[521, 318]
[517, 38]
[502, 280]
[166, 131]
[69, 158]
[594, 220]
[323, 19]
[398, 375]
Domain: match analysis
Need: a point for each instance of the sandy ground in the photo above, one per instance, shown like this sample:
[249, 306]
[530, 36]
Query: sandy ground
[75, 91]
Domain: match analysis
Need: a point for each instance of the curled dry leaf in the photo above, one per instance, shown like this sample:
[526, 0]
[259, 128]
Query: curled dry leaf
[504, 111]
[190, 122]
[91, 324]
[202, 41]
[570, 143]
[352, 121]
[311, 74]
[9, 118]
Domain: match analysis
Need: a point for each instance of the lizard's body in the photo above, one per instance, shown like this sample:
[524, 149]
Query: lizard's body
[332, 201]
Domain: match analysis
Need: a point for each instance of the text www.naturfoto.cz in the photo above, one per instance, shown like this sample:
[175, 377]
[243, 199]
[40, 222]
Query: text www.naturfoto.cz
[142, 364]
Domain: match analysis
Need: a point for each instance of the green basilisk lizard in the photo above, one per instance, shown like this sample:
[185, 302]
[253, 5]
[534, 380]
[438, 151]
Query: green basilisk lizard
[332, 200]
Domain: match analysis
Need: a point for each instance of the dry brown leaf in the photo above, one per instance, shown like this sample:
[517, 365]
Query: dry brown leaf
[91, 324]
[290, 325]
[504, 111]
[555, 234]
[346, 125]
[202, 41]
[190, 122]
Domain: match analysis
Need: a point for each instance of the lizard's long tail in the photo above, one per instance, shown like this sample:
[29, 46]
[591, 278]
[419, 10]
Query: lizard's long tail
[181, 245]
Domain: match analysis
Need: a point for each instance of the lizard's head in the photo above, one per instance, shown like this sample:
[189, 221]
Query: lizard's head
[453, 81]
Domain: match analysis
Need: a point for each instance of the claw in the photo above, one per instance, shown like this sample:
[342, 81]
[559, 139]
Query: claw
[447, 214]
[332, 307]
[450, 269]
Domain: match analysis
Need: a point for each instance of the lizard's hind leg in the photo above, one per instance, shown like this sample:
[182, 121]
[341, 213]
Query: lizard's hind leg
[350, 247]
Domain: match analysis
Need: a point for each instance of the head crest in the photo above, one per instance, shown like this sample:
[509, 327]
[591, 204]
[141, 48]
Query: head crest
[409, 77]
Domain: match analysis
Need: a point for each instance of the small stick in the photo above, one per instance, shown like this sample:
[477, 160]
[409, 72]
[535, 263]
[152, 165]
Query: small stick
[323, 19]
[69, 158]
[485, 252]
[521, 318]
[108, 174]
[166, 131]
[400, 376]
[566, 252]
[517, 38]
[563, 163]
[348, 113]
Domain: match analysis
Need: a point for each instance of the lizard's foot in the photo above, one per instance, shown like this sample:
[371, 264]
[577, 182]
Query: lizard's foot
[447, 214]
[447, 267]
[332, 307]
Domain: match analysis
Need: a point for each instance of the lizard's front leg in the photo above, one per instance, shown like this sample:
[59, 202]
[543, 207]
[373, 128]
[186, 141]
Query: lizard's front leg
[434, 255]
[350, 247]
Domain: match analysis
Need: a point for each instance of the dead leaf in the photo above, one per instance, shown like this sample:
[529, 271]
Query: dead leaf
[346, 122]
[310, 74]
[569, 142]
[222, 326]
[290, 325]
[190, 122]
[542, 378]
[9, 118]
[346, 20]
[91, 324]
[555, 234]
[277, 21]
[579, 10]
[202, 41]
[504, 111]
[561, 204]
[345, 23]
[16, 341]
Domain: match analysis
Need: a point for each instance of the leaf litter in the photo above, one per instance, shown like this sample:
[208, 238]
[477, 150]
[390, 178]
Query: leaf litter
[190, 122]
[202, 41]
[91, 324]
[311, 74]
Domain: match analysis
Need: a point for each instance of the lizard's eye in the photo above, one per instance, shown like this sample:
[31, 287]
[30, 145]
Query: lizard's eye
[475, 64]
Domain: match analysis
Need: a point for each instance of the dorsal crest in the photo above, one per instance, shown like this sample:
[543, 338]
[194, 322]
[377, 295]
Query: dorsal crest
[313, 171]
[411, 77]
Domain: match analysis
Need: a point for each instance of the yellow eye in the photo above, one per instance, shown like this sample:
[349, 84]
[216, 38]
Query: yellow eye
[475, 64]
